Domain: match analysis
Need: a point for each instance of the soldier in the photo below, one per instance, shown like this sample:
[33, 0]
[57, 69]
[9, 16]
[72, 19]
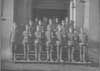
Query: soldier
[43, 41]
[63, 33]
[48, 37]
[76, 49]
[37, 40]
[48, 32]
[64, 49]
[26, 35]
[66, 25]
[12, 38]
[66, 31]
[83, 45]
[70, 44]
[32, 30]
[58, 42]
[32, 49]
[45, 23]
[53, 40]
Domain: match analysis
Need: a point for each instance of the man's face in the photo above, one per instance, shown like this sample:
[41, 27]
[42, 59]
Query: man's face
[30, 22]
[50, 21]
[66, 19]
[62, 22]
[40, 22]
[56, 20]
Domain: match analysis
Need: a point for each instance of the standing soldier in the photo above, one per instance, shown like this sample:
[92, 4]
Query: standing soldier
[48, 37]
[76, 49]
[59, 40]
[63, 33]
[45, 23]
[54, 39]
[32, 50]
[83, 45]
[64, 53]
[43, 51]
[66, 31]
[12, 38]
[66, 25]
[70, 44]
[26, 35]
[37, 40]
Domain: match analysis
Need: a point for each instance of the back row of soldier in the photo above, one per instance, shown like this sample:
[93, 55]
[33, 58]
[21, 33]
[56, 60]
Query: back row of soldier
[54, 40]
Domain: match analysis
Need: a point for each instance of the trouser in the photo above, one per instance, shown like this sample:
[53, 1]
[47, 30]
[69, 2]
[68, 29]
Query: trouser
[43, 52]
[13, 49]
[54, 52]
[64, 54]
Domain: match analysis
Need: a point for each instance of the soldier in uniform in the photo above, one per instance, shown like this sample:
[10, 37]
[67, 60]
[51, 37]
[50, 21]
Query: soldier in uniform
[83, 45]
[76, 49]
[45, 23]
[32, 49]
[37, 40]
[48, 39]
[64, 49]
[70, 43]
[12, 38]
[26, 35]
[66, 25]
[58, 42]
[43, 40]
[53, 40]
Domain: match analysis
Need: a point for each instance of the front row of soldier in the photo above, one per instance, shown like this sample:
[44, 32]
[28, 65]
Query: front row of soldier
[54, 41]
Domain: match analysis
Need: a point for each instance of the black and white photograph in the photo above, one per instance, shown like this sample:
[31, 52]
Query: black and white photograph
[49, 35]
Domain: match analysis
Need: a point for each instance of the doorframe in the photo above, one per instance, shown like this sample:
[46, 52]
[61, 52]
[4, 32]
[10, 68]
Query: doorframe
[73, 11]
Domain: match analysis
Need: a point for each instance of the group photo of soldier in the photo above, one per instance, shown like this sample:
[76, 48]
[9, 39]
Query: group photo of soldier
[49, 40]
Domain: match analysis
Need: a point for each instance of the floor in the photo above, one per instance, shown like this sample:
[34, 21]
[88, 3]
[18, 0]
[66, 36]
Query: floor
[10, 66]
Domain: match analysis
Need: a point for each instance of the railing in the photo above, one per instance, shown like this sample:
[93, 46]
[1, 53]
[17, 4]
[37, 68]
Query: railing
[53, 54]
